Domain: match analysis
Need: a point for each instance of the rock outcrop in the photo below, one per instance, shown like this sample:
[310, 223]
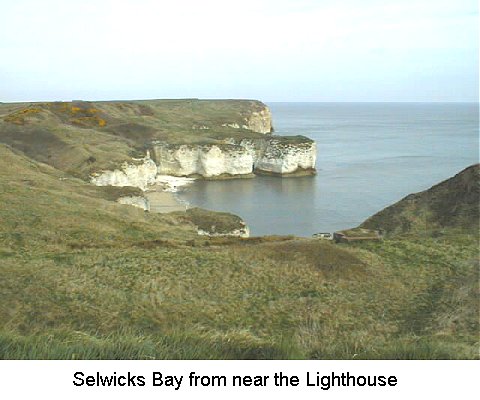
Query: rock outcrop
[216, 224]
[277, 155]
[282, 155]
[139, 173]
[274, 155]
[260, 121]
[206, 160]
[242, 232]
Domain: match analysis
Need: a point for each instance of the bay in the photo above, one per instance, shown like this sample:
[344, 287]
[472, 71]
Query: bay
[369, 155]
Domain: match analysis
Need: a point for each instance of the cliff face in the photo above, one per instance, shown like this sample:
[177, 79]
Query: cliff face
[260, 121]
[140, 174]
[278, 155]
[208, 160]
[275, 155]
[257, 120]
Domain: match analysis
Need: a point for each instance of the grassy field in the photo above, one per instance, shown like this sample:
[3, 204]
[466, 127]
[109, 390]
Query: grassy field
[293, 299]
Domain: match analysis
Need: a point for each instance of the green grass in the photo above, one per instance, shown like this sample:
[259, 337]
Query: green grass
[313, 300]
[124, 345]
[451, 204]
[213, 222]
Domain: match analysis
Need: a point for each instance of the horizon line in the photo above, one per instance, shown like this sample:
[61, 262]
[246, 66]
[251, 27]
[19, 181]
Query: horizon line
[248, 99]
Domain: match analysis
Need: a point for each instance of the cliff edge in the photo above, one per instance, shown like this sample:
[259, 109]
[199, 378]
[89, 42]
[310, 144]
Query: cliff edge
[110, 142]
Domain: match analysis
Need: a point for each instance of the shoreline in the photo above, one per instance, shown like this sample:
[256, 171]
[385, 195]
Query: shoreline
[164, 202]
[163, 195]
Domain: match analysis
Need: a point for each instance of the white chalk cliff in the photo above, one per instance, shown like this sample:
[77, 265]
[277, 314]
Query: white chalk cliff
[277, 155]
[259, 121]
[139, 173]
[281, 157]
[208, 160]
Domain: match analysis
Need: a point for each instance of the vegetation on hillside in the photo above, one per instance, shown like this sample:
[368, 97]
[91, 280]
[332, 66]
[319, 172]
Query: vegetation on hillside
[213, 223]
[85, 278]
[82, 137]
[451, 204]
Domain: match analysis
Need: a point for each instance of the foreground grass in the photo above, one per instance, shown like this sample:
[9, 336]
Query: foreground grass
[78, 345]
[128, 346]
[290, 299]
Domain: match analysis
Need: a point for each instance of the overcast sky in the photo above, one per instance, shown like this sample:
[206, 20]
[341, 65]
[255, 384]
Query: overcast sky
[271, 50]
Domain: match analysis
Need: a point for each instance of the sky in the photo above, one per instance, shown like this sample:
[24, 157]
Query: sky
[271, 50]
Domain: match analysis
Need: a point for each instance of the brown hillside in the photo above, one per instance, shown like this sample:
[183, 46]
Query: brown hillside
[453, 203]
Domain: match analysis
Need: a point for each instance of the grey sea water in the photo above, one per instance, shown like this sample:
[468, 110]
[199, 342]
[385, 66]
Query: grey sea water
[370, 155]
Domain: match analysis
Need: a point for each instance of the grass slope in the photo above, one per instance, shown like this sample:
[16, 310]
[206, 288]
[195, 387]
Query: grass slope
[451, 204]
[83, 277]
[45, 209]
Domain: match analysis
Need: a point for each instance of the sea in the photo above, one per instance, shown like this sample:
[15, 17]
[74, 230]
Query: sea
[369, 155]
